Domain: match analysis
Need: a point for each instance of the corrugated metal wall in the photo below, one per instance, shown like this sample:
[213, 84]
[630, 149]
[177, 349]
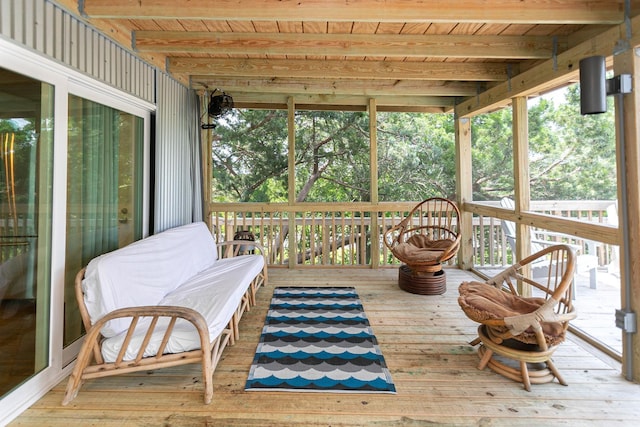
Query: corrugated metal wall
[44, 27]
[52, 31]
[177, 161]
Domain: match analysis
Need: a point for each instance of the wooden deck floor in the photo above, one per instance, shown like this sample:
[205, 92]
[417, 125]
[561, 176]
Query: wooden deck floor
[425, 342]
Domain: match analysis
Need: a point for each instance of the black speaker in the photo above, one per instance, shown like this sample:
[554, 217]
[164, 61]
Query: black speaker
[593, 85]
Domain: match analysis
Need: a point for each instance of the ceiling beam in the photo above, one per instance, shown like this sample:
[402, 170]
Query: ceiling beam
[407, 103]
[371, 87]
[485, 11]
[389, 45]
[552, 73]
[292, 68]
[424, 101]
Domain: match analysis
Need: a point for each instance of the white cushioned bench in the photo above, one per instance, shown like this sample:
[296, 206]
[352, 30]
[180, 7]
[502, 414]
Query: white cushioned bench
[170, 299]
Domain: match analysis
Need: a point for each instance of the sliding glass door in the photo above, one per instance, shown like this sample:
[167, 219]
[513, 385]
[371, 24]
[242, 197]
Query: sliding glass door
[26, 165]
[104, 191]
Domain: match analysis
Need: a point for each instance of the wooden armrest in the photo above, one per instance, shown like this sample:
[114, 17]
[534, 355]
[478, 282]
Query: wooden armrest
[155, 313]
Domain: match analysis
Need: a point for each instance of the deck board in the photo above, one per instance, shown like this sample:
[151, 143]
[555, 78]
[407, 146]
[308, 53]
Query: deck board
[425, 342]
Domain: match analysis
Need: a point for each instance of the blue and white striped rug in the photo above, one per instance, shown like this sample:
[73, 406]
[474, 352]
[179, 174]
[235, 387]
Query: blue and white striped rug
[318, 339]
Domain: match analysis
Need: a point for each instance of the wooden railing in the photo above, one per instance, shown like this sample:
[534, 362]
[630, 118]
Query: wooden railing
[490, 246]
[350, 234]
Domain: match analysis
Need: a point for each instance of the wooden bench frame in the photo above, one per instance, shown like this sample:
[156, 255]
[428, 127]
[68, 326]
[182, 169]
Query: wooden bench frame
[90, 363]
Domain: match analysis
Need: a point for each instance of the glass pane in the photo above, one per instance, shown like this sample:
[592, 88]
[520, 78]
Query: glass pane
[103, 191]
[416, 156]
[26, 156]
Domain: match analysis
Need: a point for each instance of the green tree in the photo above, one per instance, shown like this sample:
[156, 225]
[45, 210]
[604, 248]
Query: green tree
[492, 154]
[416, 156]
[579, 162]
[249, 157]
[571, 157]
[332, 156]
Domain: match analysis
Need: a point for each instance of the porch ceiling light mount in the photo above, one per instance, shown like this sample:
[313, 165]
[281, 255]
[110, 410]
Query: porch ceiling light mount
[595, 87]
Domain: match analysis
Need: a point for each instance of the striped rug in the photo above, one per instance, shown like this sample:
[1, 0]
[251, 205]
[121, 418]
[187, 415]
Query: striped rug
[318, 339]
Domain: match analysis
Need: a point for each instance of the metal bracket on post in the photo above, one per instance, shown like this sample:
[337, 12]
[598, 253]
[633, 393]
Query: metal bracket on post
[619, 85]
[626, 320]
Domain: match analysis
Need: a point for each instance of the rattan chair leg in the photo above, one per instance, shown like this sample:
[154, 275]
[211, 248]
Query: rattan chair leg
[486, 357]
[555, 372]
[525, 375]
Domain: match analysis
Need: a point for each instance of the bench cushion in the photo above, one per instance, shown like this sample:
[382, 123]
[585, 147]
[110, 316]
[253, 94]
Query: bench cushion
[144, 272]
[215, 293]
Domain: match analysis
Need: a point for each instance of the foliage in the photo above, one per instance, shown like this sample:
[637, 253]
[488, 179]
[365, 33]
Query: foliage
[249, 154]
[492, 153]
[332, 160]
[416, 156]
[571, 156]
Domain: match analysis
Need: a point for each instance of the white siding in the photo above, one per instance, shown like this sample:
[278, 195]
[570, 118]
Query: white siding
[178, 176]
[48, 29]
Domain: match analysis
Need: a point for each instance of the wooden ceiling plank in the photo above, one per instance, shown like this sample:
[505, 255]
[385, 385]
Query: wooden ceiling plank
[551, 73]
[415, 28]
[243, 27]
[386, 45]
[360, 27]
[170, 25]
[266, 26]
[217, 25]
[194, 25]
[294, 27]
[390, 28]
[339, 27]
[340, 69]
[497, 11]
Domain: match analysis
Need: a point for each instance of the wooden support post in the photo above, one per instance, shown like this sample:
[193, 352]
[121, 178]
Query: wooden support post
[207, 167]
[628, 162]
[373, 161]
[291, 117]
[464, 190]
[521, 177]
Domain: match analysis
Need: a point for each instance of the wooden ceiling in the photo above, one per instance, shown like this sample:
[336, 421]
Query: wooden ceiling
[408, 54]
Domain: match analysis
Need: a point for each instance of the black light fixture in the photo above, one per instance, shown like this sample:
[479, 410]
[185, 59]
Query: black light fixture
[593, 93]
[595, 87]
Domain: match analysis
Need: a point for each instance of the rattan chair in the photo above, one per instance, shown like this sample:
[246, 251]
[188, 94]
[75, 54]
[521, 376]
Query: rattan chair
[426, 238]
[524, 330]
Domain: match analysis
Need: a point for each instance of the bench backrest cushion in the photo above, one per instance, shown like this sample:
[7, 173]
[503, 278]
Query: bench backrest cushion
[143, 272]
